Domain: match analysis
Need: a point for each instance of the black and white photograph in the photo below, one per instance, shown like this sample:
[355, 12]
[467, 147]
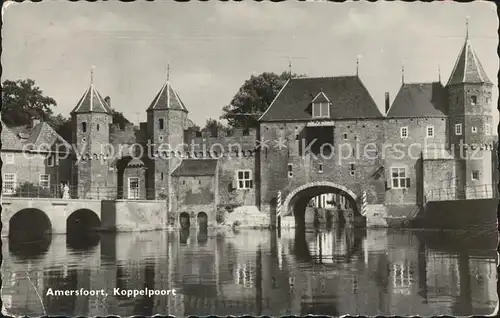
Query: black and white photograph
[258, 158]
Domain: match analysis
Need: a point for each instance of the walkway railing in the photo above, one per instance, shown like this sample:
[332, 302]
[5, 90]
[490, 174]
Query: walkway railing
[483, 191]
[88, 193]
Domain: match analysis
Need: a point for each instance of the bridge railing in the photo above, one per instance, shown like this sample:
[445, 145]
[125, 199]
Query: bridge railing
[88, 193]
[483, 191]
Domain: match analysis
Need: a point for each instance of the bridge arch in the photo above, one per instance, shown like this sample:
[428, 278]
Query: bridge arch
[29, 223]
[297, 200]
[82, 220]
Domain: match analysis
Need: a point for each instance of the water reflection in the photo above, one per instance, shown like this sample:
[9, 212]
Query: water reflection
[327, 272]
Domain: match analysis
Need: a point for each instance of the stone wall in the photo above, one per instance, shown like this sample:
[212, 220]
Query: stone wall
[438, 174]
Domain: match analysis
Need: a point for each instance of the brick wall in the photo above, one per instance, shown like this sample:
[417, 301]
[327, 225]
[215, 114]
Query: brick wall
[438, 174]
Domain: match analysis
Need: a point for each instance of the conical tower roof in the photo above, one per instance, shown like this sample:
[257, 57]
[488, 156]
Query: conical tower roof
[92, 101]
[468, 68]
[167, 98]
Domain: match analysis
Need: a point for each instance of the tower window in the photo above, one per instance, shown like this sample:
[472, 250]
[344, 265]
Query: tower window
[160, 124]
[320, 167]
[473, 100]
[97, 127]
[345, 136]
[352, 168]
[430, 131]
[458, 129]
[487, 129]
[475, 174]
[84, 127]
[474, 130]
[403, 132]
[161, 176]
[290, 170]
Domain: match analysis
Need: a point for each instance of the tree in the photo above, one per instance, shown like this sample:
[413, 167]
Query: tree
[214, 126]
[119, 119]
[62, 125]
[253, 98]
[22, 100]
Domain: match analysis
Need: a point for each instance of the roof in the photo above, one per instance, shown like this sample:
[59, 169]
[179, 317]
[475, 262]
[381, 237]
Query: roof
[92, 101]
[196, 167]
[42, 134]
[419, 100]
[136, 162]
[347, 95]
[468, 68]
[167, 98]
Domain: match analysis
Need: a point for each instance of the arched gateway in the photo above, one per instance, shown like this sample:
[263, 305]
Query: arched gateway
[296, 201]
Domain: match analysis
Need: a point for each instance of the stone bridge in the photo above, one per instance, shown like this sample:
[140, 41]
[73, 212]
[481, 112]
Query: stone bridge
[59, 214]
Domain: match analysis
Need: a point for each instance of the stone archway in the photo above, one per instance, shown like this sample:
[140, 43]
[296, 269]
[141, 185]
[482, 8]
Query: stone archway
[81, 229]
[297, 200]
[29, 224]
[184, 220]
[202, 219]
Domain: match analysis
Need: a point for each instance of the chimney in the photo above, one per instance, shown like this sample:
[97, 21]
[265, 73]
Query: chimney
[387, 102]
[35, 121]
[107, 99]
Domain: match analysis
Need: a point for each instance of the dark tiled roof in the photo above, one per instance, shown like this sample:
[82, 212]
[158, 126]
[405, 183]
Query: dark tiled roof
[16, 138]
[348, 96]
[419, 100]
[320, 98]
[196, 167]
[92, 101]
[167, 98]
[468, 68]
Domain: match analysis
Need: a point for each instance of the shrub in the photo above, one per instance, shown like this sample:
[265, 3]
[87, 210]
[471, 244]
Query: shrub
[29, 189]
[220, 216]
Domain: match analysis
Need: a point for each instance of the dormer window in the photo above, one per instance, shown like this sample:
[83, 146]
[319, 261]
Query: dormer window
[320, 106]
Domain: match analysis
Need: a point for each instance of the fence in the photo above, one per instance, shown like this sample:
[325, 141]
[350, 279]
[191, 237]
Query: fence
[483, 191]
[78, 192]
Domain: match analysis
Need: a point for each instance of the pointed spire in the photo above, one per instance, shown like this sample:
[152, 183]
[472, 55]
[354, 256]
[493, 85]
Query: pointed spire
[92, 69]
[402, 74]
[290, 66]
[439, 73]
[168, 72]
[466, 27]
[357, 65]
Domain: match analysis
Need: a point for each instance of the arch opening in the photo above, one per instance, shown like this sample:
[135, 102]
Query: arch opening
[316, 203]
[184, 220]
[202, 220]
[81, 227]
[30, 233]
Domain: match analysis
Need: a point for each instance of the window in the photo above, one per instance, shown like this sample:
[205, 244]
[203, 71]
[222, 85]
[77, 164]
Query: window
[9, 183]
[458, 129]
[44, 180]
[160, 123]
[473, 100]
[474, 130]
[404, 132]
[97, 127]
[133, 188]
[487, 129]
[345, 136]
[245, 179]
[320, 167]
[161, 175]
[246, 132]
[160, 138]
[399, 179]
[321, 110]
[84, 127]
[430, 131]
[290, 170]
[352, 169]
[50, 161]
[475, 174]
[9, 158]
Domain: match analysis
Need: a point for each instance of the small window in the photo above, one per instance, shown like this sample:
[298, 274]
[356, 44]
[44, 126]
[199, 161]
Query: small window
[97, 126]
[345, 136]
[430, 131]
[160, 138]
[44, 180]
[161, 176]
[458, 129]
[9, 183]
[352, 169]
[246, 132]
[160, 123]
[84, 127]
[320, 167]
[50, 161]
[474, 129]
[475, 174]
[404, 132]
[84, 139]
[321, 110]
[473, 100]
[183, 182]
[133, 188]
[290, 170]
[244, 179]
[9, 158]
[487, 129]
[399, 178]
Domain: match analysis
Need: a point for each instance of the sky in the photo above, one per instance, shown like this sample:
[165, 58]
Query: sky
[213, 47]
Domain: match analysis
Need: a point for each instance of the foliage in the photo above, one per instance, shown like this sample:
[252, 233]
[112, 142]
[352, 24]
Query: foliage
[29, 189]
[214, 126]
[220, 216]
[119, 119]
[253, 98]
[22, 100]
[62, 125]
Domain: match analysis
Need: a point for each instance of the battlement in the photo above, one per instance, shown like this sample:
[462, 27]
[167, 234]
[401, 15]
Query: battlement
[129, 127]
[235, 133]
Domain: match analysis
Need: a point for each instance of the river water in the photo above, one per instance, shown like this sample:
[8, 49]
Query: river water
[333, 272]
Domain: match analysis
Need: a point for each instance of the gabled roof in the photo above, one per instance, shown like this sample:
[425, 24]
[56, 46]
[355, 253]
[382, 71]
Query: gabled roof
[320, 98]
[19, 137]
[167, 98]
[92, 101]
[196, 168]
[468, 68]
[419, 100]
[347, 95]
